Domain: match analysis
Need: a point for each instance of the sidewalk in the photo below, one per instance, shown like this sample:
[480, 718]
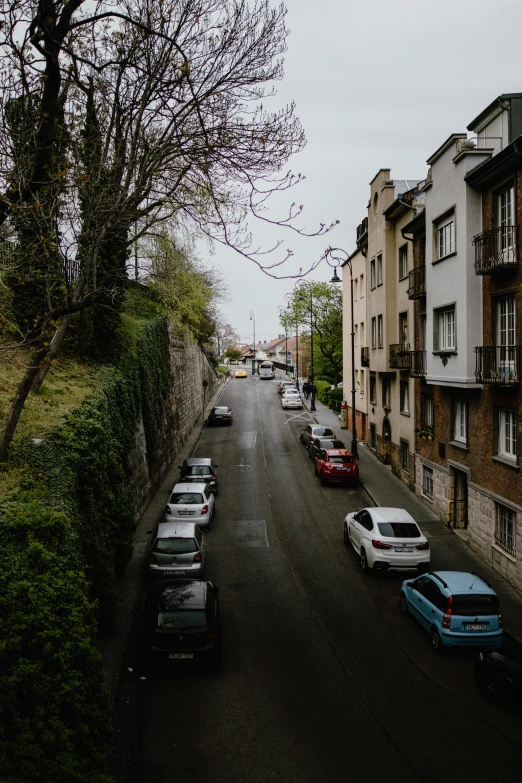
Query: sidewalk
[450, 552]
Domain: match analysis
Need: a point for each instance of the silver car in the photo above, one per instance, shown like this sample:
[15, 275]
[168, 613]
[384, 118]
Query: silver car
[191, 503]
[176, 549]
[291, 399]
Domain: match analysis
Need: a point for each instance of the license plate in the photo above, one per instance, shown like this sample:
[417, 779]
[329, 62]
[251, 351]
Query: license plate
[404, 549]
[173, 573]
[476, 626]
[181, 656]
[343, 469]
[185, 513]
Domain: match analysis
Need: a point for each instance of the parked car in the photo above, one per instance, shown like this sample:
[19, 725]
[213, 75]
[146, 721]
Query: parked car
[387, 538]
[291, 399]
[458, 608]
[498, 672]
[315, 430]
[323, 443]
[192, 503]
[284, 385]
[182, 622]
[336, 466]
[196, 470]
[240, 374]
[176, 549]
[220, 415]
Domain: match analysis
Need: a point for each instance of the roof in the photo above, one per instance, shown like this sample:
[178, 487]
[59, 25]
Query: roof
[499, 166]
[450, 141]
[464, 582]
[175, 528]
[497, 104]
[388, 514]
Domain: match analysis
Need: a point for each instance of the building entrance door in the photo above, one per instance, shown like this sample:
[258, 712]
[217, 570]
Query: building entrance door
[459, 515]
[386, 441]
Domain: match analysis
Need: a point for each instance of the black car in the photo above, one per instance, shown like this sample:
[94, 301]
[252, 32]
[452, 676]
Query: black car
[323, 443]
[198, 470]
[182, 622]
[220, 415]
[498, 672]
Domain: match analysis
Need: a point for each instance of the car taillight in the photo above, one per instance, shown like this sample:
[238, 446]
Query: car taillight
[327, 467]
[426, 545]
[226, 415]
[204, 510]
[447, 615]
[167, 509]
[213, 634]
[381, 545]
[197, 557]
[499, 613]
[152, 558]
[212, 478]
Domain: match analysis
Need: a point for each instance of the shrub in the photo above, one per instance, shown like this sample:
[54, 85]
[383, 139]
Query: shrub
[323, 387]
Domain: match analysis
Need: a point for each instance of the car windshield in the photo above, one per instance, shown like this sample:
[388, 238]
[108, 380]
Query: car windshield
[474, 605]
[175, 546]
[399, 529]
[329, 444]
[187, 498]
[343, 459]
[220, 410]
[198, 470]
[181, 620]
[323, 431]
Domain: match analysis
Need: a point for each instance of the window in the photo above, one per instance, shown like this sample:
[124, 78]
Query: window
[403, 262]
[446, 236]
[361, 287]
[506, 212]
[356, 334]
[379, 269]
[373, 436]
[374, 333]
[427, 410]
[444, 329]
[506, 320]
[355, 286]
[362, 383]
[507, 433]
[460, 421]
[386, 392]
[505, 528]
[427, 481]
[373, 389]
[361, 332]
[403, 328]
[379, 331]
[405, 455]
[372, 273]
[405, 397]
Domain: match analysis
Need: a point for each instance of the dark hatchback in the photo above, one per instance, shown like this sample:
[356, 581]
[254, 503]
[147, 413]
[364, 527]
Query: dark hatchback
[323, 443]
[182, 622]
[199, 470]
[498, 672]
[220, 415]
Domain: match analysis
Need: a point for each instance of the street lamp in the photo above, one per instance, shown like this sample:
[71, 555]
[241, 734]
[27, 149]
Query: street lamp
[289, 296]
[253, 319]
[334, 259]
[280, 310]
[300, 288]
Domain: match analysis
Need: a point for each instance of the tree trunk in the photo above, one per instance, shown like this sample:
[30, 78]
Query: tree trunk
[6, 436]
[53, 350]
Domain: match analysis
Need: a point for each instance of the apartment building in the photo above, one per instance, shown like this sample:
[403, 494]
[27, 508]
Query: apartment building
[355, 282]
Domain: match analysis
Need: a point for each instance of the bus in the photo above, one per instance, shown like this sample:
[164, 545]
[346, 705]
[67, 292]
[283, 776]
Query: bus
[266, 370]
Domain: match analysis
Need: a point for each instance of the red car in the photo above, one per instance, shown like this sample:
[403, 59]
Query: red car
[336, 465]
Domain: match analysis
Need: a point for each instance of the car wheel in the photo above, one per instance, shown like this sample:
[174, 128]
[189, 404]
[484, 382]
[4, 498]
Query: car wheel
[423, 568]
[322, 480]
[436, 641]
[403, 604]
[363, 562]
[346, 536]
[315, 469]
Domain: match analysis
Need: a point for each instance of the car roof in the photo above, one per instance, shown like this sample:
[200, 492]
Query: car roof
[183, 593]
[324, 438]
[464, 582]
[198, 486]
[321, 426]
[388, 514]
[338, 452]
[198, 461]
[175, 528]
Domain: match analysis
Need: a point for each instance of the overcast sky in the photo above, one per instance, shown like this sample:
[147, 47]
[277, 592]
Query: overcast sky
[377, 84]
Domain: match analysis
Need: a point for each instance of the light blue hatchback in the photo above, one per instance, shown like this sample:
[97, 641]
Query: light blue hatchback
[458, 608]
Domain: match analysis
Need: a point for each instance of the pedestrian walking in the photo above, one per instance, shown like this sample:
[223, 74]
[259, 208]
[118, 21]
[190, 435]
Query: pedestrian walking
[306, 389]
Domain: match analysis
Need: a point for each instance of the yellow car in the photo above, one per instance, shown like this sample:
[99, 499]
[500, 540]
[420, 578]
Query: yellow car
[241, 374]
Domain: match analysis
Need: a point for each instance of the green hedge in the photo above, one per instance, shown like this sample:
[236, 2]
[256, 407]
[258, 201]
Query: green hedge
[323, 387]
[66, 537]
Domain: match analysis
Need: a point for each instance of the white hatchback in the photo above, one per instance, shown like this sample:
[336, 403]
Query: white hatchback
[191, 503]
[387, 538]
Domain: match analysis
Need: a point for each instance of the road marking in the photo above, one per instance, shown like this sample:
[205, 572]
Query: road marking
[242, 467]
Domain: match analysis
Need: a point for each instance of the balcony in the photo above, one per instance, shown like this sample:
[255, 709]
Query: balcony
[400, 356]
[418, 364]
[496, 249]
[498, 364]
[417, 279]
[365, 357]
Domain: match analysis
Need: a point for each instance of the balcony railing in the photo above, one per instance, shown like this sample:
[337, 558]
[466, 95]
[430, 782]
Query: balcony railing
[418, 363]
[400, 356]
[496, 249]
[498, 364]
[365, 357]
[417, 279]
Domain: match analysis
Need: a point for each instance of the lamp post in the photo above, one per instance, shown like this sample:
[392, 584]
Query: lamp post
[280, 311]
[301, 290]
[253, 319]
[334, 259]
[289, 297]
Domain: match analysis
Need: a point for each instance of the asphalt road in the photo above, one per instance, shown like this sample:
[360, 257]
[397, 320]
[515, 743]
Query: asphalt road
[322, 680]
